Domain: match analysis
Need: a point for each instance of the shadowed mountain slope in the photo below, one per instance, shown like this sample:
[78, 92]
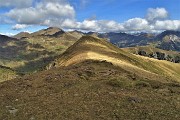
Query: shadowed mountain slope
[4, 39]
[29, 53]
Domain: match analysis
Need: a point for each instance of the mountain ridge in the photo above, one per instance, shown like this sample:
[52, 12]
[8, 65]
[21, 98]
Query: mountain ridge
[32, 52]
[118, 38]
[93, 79]
[91, 48]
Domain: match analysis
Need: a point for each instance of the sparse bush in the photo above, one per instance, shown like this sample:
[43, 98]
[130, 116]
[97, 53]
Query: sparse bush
[83, 77]
[89, 73]
[119, 83]
[141, 84]
[156, 84]
[174, 84]
[143, 53]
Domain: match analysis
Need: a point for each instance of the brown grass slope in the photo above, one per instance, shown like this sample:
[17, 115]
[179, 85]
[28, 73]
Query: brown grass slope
[85, 86]
[91, 90]
[91, 48]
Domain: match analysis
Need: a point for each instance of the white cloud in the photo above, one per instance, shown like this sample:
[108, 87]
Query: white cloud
[95, 25]
[136, 24]
[69, 24]
[89, 25]
[167, 25]
[131, 25]
[8, 34]
[156, 14]
[110, 26]
[60, 13]
[15, 3]
[19, 26]
[44, 13]
[55, 1]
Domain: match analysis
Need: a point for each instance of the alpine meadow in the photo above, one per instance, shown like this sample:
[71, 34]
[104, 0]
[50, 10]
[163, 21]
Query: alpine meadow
[89, 60]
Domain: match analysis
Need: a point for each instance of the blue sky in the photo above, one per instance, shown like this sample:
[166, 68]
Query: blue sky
[89, 15]
[121, 10]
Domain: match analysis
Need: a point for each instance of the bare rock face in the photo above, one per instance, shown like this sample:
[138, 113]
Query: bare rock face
[170, 40]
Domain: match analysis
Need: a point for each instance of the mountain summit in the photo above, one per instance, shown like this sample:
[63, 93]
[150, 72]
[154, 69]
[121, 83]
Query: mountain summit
[51, 31]
[22, 35]
[92, 48]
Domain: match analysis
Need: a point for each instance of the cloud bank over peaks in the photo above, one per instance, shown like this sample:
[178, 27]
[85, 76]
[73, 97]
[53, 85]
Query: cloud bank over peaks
[154, 21]
[167, 25]
[60, 13]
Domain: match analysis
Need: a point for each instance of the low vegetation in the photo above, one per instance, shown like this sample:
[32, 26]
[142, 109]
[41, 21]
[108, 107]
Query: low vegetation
[105, 92]
[7, 74]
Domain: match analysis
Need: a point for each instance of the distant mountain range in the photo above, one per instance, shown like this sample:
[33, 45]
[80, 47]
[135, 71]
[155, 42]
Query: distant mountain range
[30, 52]
[167, 40]
[50, 32]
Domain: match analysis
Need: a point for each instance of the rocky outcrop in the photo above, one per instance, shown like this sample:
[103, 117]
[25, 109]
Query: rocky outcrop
[160, 56]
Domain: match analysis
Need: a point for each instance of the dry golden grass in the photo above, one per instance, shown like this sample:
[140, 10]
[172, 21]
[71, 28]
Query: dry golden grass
[90, 48]
[91, 90]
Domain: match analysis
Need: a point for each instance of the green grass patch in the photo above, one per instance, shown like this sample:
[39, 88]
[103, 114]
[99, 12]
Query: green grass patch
[141, 84]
